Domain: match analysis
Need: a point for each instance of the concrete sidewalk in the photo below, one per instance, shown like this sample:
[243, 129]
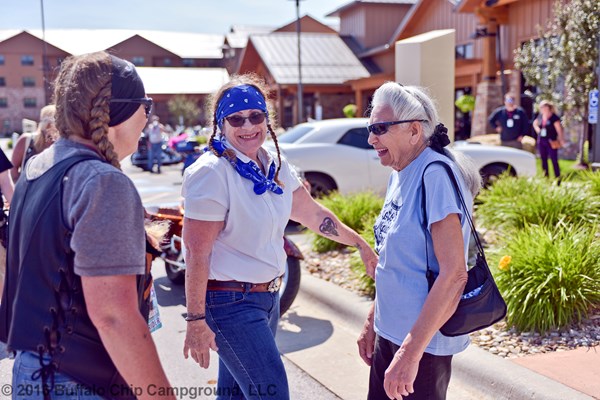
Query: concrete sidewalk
[337, 315]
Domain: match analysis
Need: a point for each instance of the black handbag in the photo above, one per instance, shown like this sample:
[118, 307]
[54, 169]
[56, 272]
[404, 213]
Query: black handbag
[481, 304]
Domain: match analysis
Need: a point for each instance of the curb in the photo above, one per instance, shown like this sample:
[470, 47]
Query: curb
[490, 375]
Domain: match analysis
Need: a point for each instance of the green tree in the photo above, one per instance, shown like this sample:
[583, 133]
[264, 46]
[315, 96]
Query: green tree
[562, 62]
[182, 106]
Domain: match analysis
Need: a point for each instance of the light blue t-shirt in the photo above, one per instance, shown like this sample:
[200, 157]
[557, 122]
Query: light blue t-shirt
[400, 240]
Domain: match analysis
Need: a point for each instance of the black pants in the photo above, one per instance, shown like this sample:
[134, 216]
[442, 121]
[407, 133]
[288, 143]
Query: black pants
[431, 382]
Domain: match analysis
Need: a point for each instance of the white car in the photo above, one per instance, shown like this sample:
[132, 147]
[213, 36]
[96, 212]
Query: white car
[334, 155]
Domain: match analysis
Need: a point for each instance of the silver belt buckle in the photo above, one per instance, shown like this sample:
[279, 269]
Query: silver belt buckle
[274, 285]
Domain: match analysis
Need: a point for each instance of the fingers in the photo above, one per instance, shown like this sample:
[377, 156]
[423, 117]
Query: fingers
[213, 345]
[364, 352]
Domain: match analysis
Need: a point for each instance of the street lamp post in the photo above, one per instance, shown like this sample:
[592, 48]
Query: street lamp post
[44, 54]
[300, 94]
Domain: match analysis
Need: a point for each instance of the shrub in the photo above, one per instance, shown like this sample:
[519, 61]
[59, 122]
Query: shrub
[554, 276]
[515, 203]
[353, 210]
[350, 110]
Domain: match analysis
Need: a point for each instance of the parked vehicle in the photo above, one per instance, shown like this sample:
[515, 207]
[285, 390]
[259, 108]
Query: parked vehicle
[190, 150]
[140, 157]
[335, 155]
[173, 256]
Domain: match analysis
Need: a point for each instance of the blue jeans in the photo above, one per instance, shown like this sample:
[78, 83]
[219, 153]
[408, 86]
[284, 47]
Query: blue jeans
[154, 153]
[250, 366]
[27, 384]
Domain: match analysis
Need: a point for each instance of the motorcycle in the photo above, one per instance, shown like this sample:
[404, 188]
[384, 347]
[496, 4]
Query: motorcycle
[140, 157]
[173, 255]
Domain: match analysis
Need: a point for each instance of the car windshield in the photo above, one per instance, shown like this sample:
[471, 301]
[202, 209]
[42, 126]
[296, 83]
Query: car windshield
[294, 134]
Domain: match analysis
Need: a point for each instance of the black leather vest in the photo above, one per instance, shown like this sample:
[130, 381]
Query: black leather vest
[43, 308]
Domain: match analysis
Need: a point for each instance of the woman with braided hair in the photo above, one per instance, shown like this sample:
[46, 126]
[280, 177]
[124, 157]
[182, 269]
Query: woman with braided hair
[73, 308]
[422, 232]
[238, 199]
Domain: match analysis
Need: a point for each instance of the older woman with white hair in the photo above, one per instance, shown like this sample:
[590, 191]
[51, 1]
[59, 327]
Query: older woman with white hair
[422, 227]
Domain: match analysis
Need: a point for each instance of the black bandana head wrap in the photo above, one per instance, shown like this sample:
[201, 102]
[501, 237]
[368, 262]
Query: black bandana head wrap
[126, 84]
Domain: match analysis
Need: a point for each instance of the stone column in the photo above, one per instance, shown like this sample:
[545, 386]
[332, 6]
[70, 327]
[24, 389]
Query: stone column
[489, 97]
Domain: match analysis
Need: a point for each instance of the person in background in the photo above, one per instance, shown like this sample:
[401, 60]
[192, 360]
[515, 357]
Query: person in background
[550, 136]
[6, 193]
[510, 122]
[29, 145]
[409, 357]
[238, 199]
[154, 135]
[76, 273]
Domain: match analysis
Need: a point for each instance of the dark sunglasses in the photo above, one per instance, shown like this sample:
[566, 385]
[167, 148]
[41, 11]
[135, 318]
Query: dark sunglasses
[146, 101]
[380, 128]
[237, 120]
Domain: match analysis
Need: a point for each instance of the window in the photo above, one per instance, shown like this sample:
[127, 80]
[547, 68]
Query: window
[357, 137]
[28, 81]
[1, 59]
[167, 62]
[139, 61]
[294, 134]
[27, 60]
[3, 102]
[464, 51]
[188, 62]
[2, 81]
[29, 102]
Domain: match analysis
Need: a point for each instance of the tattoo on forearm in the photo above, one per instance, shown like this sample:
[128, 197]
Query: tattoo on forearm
[328, 227]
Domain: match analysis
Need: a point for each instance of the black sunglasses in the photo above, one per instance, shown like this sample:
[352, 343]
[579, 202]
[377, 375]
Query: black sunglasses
[237, 120]
[379, 128]
[146, 101]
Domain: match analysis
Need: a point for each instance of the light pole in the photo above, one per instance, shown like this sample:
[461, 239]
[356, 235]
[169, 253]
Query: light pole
[300, 94]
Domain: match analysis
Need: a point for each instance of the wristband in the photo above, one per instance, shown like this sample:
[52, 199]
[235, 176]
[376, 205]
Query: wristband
[189, 317]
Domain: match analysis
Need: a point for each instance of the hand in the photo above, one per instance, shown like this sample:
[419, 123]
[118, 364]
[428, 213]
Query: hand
[520, 139]
[366, 342]
[369, 258]
[199, 339]
[498, 129]
[400, 375]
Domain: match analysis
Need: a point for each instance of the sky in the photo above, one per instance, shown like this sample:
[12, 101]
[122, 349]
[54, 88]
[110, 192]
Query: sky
[201, 16]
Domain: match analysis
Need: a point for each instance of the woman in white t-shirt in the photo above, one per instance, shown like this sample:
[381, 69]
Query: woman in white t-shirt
[238, 200]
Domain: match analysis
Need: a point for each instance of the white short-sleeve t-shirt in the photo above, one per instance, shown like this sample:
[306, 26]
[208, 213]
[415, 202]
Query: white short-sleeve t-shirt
[250, 246]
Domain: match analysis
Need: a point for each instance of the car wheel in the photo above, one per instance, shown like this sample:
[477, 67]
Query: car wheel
[320, 185]
[491, 173]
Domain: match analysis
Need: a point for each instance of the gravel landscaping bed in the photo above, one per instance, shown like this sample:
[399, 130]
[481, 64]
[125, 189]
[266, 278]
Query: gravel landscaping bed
[334, 266]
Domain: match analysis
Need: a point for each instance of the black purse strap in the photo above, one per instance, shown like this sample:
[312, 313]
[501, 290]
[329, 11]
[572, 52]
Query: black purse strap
[462, 202]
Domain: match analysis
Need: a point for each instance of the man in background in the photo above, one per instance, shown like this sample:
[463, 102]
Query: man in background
[511, 122]
[154, 134]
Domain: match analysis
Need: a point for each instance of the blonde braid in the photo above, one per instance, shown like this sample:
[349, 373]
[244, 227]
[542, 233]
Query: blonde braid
[274, 137]
[98, 125]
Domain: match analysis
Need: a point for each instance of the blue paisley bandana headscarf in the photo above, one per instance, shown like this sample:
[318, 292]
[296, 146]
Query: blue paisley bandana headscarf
[250, 171]
[239, 98]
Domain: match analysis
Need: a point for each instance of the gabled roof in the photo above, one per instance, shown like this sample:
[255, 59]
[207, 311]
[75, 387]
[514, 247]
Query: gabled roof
[326, 59]
[356, 3]
[417, 8]
[184, 45]
[6, 35]
[169, 80]
[307, 24]
[237, 37]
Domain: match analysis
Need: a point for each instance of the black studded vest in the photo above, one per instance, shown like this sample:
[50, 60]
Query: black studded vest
[43, 307]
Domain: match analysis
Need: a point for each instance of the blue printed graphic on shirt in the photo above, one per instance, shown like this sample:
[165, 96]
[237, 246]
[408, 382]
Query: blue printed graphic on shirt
[388, 214]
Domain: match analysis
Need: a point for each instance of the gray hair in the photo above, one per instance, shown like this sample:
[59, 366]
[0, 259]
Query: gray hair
[412, 102]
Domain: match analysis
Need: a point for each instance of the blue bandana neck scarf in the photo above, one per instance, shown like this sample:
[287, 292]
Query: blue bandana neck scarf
[251, 171]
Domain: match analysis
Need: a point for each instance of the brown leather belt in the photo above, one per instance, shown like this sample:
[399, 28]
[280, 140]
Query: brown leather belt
[237, 286]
